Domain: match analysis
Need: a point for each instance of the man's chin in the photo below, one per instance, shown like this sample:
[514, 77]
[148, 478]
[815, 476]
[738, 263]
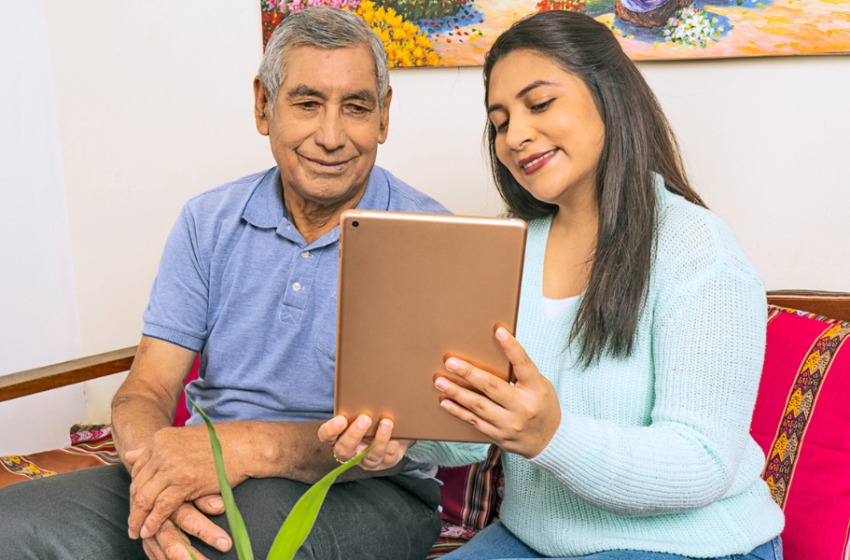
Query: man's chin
[332, 191]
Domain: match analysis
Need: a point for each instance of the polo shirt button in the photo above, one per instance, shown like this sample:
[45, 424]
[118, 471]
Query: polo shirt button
[296, 286]
[305, 254]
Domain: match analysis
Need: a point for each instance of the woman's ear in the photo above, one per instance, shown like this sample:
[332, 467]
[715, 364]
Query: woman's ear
[261, 101]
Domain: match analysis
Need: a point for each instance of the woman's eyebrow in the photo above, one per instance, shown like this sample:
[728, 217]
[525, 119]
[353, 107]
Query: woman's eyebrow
[522, 92]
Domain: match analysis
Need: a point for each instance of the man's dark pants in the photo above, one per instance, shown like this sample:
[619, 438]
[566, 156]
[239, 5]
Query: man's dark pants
[82, 515]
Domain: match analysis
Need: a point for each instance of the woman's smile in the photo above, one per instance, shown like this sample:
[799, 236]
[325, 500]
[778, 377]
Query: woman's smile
[535, 162]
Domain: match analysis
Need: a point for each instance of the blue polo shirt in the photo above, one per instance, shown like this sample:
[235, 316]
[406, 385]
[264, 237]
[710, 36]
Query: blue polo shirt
[239, 284]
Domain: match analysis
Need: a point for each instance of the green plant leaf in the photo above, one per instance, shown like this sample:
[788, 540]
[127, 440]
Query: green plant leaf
[300, 520]
[186, 546]
[234, 518]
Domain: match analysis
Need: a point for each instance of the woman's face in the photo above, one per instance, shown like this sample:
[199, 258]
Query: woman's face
[548, 131]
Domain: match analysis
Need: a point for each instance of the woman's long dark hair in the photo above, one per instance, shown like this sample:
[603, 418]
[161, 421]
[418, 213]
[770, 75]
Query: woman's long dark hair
[638, 143]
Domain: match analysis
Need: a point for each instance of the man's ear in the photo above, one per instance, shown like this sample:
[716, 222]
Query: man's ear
[385, 116]
[261, 101]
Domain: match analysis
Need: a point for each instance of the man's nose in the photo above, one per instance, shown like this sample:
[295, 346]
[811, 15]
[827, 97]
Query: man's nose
[331, 132]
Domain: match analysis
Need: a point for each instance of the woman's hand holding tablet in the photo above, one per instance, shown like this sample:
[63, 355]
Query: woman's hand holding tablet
[519, 417]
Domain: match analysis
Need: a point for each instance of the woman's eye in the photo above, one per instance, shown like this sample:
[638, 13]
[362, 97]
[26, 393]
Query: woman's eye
[501, 127]
[541, 106]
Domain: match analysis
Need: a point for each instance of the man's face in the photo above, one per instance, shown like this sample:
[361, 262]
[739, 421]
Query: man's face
[326, 123]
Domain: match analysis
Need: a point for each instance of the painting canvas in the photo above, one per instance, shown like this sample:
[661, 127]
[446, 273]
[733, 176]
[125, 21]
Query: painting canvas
[459, 32]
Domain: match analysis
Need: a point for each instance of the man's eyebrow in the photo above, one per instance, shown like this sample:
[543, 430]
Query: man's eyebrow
[363, 95]
[523, 91]
[302, 90]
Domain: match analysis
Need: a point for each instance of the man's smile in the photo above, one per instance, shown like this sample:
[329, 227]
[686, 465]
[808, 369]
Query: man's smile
[327, 165]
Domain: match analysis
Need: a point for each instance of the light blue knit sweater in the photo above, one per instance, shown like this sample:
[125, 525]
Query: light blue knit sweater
[653, 452]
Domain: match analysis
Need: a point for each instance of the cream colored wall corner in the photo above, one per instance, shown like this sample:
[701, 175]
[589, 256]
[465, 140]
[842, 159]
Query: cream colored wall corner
[38, 308]
[154, 107]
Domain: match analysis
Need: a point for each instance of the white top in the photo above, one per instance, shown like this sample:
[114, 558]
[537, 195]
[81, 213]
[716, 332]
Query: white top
[554, 307]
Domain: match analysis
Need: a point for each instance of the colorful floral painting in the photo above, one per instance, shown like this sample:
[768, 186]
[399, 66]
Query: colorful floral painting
[459, 32]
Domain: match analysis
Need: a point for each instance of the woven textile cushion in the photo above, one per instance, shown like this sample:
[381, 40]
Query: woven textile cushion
[469, 501]
[801, 421]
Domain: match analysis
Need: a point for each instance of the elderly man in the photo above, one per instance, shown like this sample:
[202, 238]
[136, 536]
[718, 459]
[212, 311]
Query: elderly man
[248, 279]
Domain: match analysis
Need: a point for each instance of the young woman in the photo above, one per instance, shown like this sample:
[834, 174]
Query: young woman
[641, 327]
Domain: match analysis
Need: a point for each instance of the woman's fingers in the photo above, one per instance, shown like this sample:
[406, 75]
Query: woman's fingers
[524, 368]
[476, 421]
[495, 388]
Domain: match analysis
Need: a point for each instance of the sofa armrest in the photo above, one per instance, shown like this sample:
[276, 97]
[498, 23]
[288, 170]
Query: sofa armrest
[36, 380]
[835, 305]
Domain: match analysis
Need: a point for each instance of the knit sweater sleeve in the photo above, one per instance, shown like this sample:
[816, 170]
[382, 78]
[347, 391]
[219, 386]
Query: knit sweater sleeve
[447, 454]
[708, 336]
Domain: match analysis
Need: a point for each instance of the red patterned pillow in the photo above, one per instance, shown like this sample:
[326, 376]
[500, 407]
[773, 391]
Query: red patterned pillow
[802, 423]
[182, 414]
[469, 501]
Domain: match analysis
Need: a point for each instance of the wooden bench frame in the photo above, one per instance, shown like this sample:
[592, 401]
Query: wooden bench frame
[14, 385]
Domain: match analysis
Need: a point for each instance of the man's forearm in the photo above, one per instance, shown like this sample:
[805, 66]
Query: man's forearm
[135, 420]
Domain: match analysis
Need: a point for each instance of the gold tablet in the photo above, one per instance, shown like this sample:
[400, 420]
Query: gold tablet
[415, 289]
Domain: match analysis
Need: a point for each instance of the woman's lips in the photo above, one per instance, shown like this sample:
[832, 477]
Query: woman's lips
[535, 162]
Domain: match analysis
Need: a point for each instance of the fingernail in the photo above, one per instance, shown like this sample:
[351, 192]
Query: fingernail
[441, 383]
[144, 533]
[363, 422]
[384, 428]
[501, 333]
[339, 422]
[360, 449]
[222, 544]
[452, 364]
[216, 503]
[445, 404]
[130, 534]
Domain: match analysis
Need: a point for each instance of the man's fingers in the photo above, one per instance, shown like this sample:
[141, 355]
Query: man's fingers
[378, 454]
[210, 505]
[194, 523]
[173, 544]
[346, 446]
[330, 431]
[133, 455]
[143, 498]
[166, 503]
[139, 460]
[153, 550]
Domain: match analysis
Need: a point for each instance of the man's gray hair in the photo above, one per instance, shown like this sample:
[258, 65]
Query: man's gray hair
[326, 28]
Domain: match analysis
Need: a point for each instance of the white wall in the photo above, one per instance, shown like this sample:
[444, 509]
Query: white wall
[38, 308]
[767, 141]
[154, 105]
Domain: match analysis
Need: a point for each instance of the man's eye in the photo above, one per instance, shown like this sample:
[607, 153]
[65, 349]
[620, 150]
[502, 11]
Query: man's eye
[309, 105]
[358, 109]
[542, 106]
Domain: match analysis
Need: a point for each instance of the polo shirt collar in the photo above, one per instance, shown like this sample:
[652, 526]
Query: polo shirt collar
[265, 207]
